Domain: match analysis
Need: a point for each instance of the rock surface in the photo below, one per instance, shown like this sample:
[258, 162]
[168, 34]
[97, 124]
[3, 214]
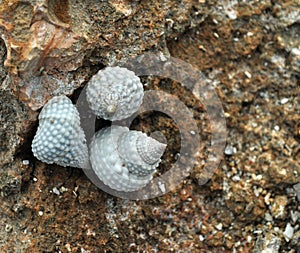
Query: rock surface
[250, 52]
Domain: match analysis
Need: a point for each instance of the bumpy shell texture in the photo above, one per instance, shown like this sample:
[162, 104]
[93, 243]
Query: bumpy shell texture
[60, 138]
[116, 158]
[114, 93]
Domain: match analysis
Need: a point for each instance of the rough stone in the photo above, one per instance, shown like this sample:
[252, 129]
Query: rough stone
[47, 40]
[246, 49]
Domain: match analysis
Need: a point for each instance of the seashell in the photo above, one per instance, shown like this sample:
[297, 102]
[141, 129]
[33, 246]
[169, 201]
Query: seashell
[124, 159]
[114, 93]
[59, 138]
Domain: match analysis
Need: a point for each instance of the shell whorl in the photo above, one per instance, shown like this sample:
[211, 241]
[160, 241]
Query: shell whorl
[150, 149]
[141, 153]
[59, 138]
[114, 93]
[116, 160]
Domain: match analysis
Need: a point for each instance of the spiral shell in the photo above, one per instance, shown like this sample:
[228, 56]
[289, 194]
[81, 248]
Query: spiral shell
[123, 159]
[114, 93]
[59, 138]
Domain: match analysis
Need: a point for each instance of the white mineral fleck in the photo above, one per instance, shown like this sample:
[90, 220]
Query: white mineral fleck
[63, 189]
[56, 191]
[201, 238]
[247, 74]
[297, 190]
[25, 162]
[230, 150]
[236, 178]
[162, 187]
[219, 226]
[288, 232]
[276, 128]
[295, 215]
[267, 251]
[268, 217]
[284, 101]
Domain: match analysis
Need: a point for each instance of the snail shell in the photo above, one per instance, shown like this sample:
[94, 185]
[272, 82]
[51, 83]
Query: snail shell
[123, 159]
[59, 138]
[114, 93]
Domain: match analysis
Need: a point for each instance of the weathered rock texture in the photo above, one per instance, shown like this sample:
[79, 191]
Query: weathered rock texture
[250, 51]
[47, 40]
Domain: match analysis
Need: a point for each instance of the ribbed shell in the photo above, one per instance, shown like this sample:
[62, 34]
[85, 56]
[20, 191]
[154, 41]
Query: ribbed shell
[59, 138]
[149, 149]
[114, 93]
[141, 153]
[116, 161]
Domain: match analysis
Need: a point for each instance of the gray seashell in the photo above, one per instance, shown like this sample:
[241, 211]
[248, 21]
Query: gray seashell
[114, 93]
[59, 138]
[115, 155]
[148, 149]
